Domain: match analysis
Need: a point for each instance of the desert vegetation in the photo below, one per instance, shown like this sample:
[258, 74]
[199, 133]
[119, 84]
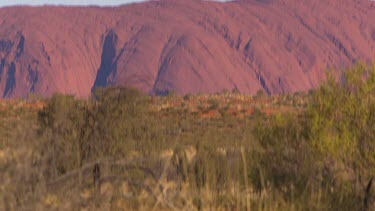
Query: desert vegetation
[124, 150]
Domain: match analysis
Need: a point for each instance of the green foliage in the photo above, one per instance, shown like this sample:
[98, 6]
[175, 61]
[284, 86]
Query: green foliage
[61, 123]
[121, 120]
[111, 126]
[319, 156]
[342, 118]
[329, 145]
[286, 157]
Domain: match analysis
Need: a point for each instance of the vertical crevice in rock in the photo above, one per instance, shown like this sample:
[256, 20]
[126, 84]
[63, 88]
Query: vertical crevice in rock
[20, 46]
[263, 83]
[45, 54]
[10, 80]
[249, 52]
[239, 41]
[107, 65]
[2, 64]
[33, 75]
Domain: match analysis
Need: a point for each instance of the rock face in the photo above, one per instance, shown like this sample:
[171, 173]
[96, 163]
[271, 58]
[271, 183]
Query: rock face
[187, 46]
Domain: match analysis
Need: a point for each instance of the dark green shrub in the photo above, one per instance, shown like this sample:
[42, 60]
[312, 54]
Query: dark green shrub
[213, 104]
[327, 145]
[61, 122]
[110, 126]
[286, 157]
[260, 94]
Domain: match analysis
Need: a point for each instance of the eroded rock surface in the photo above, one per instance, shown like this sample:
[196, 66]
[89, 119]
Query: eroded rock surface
[187, 46]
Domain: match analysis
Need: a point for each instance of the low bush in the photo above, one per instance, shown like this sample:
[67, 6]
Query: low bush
[157, 156]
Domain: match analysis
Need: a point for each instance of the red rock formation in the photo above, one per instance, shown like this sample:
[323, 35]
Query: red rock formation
[182, 45]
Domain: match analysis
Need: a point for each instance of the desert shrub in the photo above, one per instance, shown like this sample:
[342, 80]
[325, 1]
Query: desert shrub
[224, 110]
[213, 104]
[342, 119]
[188, 97]
[224, 92]
[257, 113]
[328, 145]
[115, 123]
[318, 158]
[236, 91]
[123, 122]
[260, 94]
[61, 125]
[286, 156]
[210, 169]
[180, 162]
